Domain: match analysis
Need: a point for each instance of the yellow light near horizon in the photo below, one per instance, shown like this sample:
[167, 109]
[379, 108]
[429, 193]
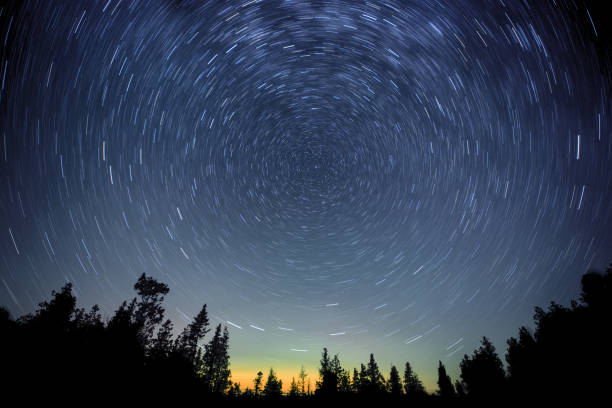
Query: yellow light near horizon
[245, 376]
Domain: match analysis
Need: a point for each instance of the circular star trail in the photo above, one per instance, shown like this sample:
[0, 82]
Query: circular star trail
[390, 177]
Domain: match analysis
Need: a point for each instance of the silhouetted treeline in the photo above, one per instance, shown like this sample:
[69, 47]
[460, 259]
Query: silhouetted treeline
[61, 349]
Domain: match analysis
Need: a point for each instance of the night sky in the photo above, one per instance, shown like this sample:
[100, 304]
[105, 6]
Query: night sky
[392, 177]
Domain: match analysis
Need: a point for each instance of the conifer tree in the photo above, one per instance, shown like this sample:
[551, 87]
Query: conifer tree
[412, 383]
[302, 381]
[521, 357]
[483, 374]
[364, 381]
[273, 386]
[162, 344]
[328, 373]
[444, 382]
[394, 382]
[294, 390]
[257, 383]
[187, 342]
[356, 384]
[343, 383]
[215, 363]
[375, 379]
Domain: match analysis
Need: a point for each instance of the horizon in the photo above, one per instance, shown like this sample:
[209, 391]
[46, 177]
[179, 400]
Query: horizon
[244, 367]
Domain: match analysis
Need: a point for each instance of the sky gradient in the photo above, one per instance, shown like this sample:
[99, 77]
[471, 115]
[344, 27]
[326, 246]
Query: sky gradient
[392, 177]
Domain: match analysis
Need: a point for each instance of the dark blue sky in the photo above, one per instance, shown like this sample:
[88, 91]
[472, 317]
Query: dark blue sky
[391, 177]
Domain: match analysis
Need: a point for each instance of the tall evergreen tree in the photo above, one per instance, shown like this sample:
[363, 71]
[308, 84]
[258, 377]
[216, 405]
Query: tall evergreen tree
[364, 380]
[273, 387]
[444, 382]
[187, 342]
[522, 357]
[162, 345]
[294, 390]
[215, 363]
[344, 382]
[376, 381]
[483, 373]
[340, 375]
[395, 384]
[356, 384]
[302, 381]
[257, 383]
[329, 379]
[412, 383]
[336, 366]
[325, 362]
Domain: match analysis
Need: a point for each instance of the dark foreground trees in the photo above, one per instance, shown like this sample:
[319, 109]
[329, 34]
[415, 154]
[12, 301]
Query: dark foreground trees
[214, 366]
[412, 384]
[273, 387]
[445, 385]
[568, 355]
[566, 358]
[482, 374]
[395, 385]
[61, 350]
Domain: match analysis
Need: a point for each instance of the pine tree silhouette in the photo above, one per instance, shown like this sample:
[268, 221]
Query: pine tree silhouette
[294, 390]
[215, 362]
[273, 386]
[187, 342]
[257, 383]
[364, 380]
[356, 383]
[394, 382]
[328, 385]
[376, 382]
[482, 374]
[445, 385]
[412, 385]
[302, 381]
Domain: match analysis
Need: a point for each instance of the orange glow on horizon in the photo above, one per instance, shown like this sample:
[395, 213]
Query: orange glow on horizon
[245, 377]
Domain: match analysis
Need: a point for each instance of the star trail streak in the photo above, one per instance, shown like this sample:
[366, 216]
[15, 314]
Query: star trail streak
[395, 177]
